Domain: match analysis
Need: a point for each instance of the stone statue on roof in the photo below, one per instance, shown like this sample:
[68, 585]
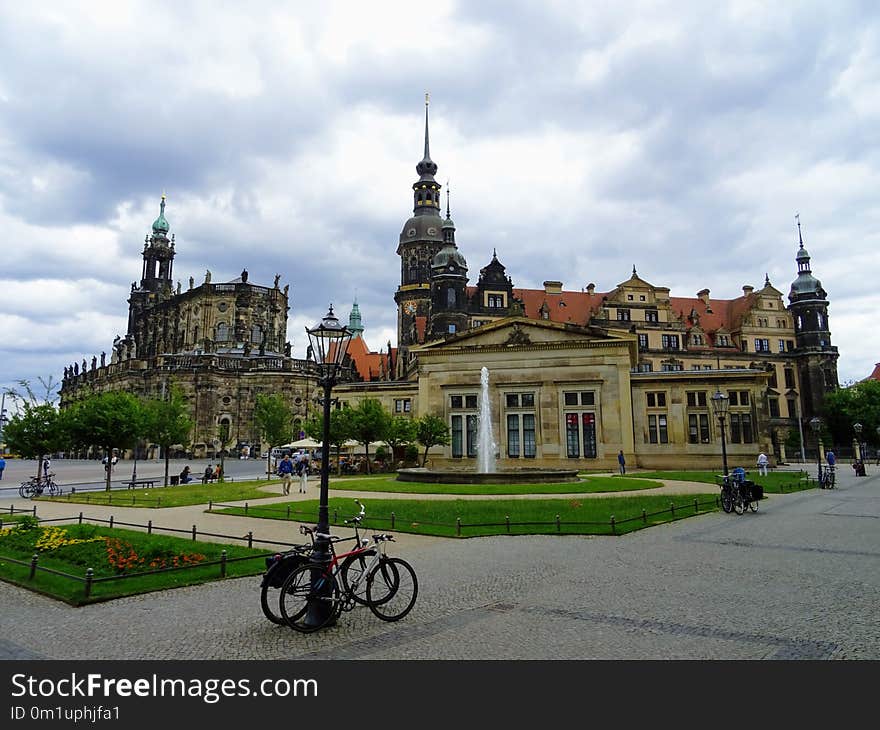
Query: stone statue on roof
[207, 276]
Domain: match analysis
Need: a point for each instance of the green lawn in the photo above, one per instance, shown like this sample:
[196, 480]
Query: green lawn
[185, 494]
[389, 483]
[774, 483]
[132, 548]
[488, 517]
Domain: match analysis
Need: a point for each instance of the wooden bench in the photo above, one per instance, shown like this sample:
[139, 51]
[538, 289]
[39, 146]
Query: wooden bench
[132, 483]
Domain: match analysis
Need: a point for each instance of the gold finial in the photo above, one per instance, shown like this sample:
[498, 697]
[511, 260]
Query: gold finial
[427, 98]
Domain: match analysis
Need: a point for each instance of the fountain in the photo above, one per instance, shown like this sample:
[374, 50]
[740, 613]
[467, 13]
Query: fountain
[487, 471]
[485, 441]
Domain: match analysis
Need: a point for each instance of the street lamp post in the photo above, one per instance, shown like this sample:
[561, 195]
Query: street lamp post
[816, 425]
[329, 344]
[720, 406]
[857, 428]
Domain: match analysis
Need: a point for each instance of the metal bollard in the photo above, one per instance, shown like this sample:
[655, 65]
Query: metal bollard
[644, 517]
[392, 520]
[80, 518]
[696, 506]
[613, 527]
[35, 510]
[34, 566]
[245, 508]
[194, 532]
[558, 524]
[223, 564]
[111, 522]
[288, 512]
[250, 537]
[210, 505]
[335, 517]
[149, 527]
[109, 497]
[458, 526]
[88, 587]
[507, 522]
[672, 508]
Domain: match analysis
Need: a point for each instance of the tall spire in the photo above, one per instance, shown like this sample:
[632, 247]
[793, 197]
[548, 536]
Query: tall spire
[797, 217]
[426, 191]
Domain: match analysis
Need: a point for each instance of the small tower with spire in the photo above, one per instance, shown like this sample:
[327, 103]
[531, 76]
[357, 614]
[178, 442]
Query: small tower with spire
[158, 254]
[449, 279]
[816, 356]
[354, 320]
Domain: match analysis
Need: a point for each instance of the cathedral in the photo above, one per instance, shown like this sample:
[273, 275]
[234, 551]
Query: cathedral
[576, 375]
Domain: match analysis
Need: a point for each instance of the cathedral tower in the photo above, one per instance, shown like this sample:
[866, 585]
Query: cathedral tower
[420, 240]
[817, 358]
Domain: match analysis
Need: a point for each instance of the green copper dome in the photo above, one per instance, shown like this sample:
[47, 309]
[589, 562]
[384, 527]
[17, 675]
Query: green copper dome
[160, 225]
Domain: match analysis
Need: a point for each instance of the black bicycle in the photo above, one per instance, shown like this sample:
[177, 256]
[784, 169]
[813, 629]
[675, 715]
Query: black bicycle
[280, 565]
[827, 477]
[34, 487]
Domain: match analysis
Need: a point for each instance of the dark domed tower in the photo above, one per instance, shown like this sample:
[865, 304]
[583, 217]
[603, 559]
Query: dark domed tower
[420, 240]
[816, 357]
[448, 285]
[494, 295]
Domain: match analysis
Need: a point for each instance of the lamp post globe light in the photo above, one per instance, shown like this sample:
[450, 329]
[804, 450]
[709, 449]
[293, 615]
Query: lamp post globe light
[328, 345]
[816, 425]
[720, 406]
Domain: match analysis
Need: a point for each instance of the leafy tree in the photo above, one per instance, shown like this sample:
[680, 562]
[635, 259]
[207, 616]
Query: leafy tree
[112, 421]
[401, 432]
[167, 423]
[858, 403]
[369, 422]
[275, 421]
[35, 431]
[431, 431]
[340, 431]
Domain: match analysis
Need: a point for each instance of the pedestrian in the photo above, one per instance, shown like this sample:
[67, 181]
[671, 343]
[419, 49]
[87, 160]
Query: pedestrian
[209, 474]
[109, 462]
[46, 464]
[218, 473]
[621, 461]
[285, 469]
[2, 466]
[762, 464]
[185, 476]
[303, 471]
[830, 458]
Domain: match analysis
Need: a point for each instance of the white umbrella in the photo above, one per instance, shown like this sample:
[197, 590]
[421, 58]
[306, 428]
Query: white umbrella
[303, 444]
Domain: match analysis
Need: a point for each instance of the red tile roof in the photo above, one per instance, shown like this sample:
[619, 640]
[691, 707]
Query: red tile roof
[876, 374]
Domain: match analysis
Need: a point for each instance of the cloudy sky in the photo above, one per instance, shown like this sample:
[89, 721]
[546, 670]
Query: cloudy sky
[579, 139]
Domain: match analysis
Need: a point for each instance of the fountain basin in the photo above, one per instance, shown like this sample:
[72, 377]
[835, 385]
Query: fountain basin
[510, 476]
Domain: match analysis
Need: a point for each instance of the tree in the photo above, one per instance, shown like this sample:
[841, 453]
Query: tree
[431, 431]
[112, 421]
[275, 421]
[369, 422]
[35, 431]
[340, 431]
[401, 432]
[167, 423]
[858, 403]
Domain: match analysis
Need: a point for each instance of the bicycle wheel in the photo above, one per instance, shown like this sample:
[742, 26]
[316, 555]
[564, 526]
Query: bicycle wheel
[738, 504]
[267, 598]
[753, 505]
[297, 594]
[726, 501]
[23, 490]
[392, 589]
[353, 575]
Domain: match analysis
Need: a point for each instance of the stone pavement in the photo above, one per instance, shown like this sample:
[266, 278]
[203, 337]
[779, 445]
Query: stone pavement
[798, 580]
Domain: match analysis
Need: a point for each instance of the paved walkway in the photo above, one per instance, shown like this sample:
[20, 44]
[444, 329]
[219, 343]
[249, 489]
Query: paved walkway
[799, 579]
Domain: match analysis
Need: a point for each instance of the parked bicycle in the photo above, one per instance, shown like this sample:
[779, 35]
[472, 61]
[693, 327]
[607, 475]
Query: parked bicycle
[34, 487]
[827, 477]
[363, 576]
[280, 565]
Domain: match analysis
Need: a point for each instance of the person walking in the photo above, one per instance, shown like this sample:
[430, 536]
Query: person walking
[303, 471]
[621, 461]
[762, 464]
[46, 464]
[2, 466]
[285, 469]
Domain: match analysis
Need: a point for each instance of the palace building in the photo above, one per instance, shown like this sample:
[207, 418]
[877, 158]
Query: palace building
[576, 375]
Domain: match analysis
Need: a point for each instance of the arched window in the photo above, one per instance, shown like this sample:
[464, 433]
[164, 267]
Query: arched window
[222, 332]
[256, 333]
[450, 297]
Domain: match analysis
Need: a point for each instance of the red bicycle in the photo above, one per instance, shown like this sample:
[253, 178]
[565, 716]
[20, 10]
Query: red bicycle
[362, 576]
